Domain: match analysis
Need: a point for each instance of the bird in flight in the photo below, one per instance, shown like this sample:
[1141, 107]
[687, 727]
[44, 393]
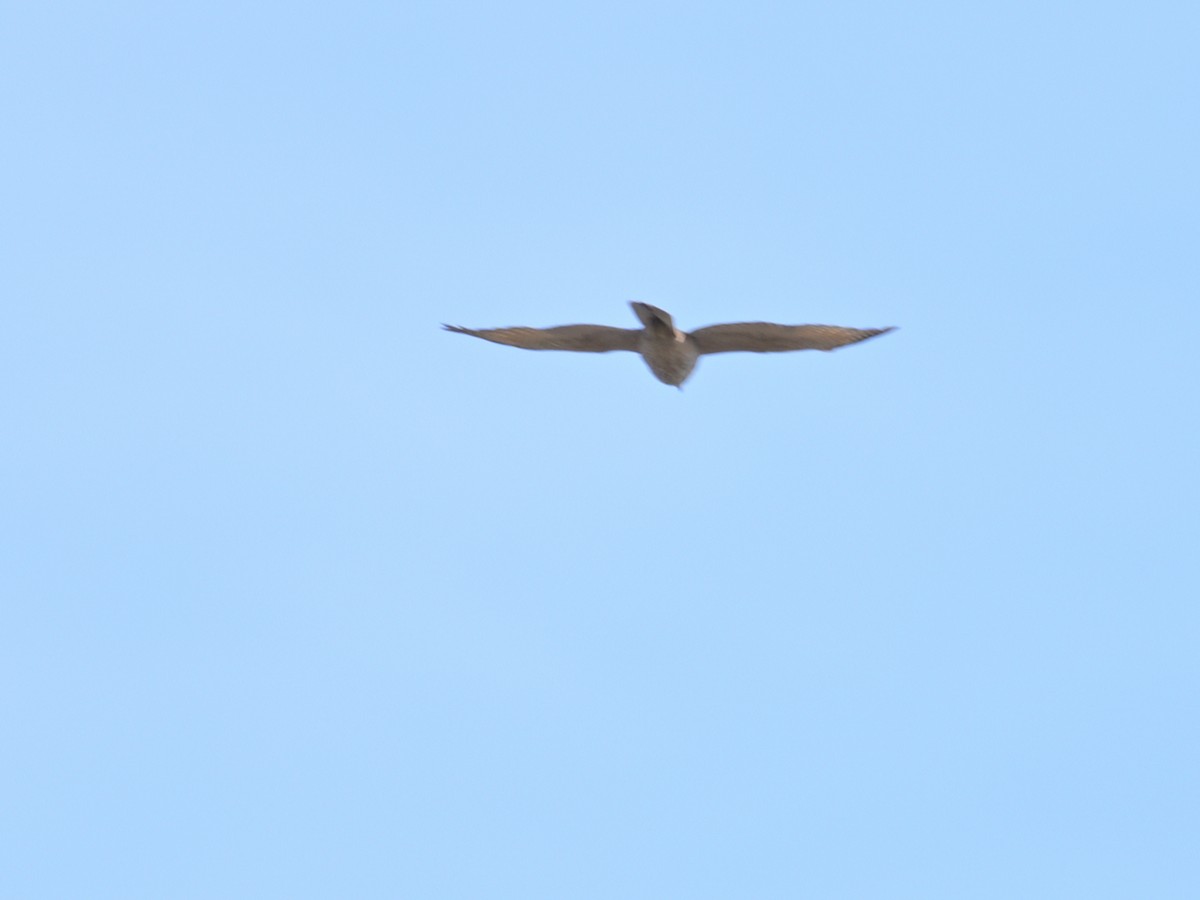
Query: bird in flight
[671, 353]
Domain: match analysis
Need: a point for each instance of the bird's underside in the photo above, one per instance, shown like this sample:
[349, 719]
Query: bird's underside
[671, 353]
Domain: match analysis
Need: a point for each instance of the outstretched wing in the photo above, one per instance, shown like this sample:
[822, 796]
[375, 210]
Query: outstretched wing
[581, 338]
[767, 337]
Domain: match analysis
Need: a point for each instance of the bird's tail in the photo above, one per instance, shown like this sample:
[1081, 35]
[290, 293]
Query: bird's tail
[652, 316]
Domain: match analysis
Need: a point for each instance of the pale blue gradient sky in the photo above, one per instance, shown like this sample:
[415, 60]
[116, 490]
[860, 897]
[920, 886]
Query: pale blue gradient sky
[303, 597]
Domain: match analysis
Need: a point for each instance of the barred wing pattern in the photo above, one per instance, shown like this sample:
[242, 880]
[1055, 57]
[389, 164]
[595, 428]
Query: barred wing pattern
[580, 338]
[767, 337]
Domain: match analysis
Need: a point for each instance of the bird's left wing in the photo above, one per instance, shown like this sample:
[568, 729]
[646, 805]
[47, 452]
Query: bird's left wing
[580, 338]
[767, 337]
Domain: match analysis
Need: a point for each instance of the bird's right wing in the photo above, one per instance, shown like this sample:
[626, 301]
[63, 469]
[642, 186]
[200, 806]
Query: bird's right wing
[580, 338]
[767, 337]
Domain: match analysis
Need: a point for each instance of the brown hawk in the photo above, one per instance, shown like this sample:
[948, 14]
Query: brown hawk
[671, 353]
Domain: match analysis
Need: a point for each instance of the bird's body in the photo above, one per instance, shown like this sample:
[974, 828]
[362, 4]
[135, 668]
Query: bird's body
[671, 353]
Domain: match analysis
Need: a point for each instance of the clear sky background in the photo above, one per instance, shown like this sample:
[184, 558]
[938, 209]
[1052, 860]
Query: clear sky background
[303, 597]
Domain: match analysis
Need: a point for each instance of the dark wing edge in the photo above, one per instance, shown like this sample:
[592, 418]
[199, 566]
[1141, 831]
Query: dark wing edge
[577, 338]
[768, 337]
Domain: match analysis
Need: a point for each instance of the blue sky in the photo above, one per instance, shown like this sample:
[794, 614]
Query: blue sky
[304, 597]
